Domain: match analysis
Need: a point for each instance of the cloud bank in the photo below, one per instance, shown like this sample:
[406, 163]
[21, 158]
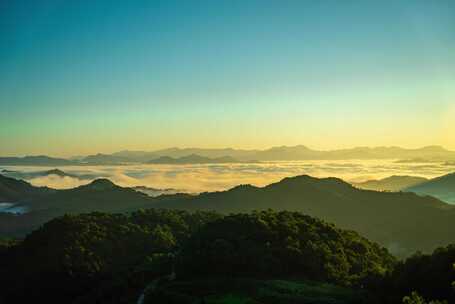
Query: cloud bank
[200, 178]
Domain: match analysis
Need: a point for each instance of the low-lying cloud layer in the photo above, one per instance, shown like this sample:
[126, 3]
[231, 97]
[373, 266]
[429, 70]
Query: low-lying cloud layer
[200, 178]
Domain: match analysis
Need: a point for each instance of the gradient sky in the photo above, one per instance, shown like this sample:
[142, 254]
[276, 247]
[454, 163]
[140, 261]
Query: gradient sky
[79, 77]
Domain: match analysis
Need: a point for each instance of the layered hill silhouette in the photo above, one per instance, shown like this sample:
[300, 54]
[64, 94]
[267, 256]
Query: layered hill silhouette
[44, 204]
[99, 195]
[193, 159]
[14, 190]
[282, 153]
[442, 187]
[104, 159]
[403, 222]
[299, 152]
[391, 183]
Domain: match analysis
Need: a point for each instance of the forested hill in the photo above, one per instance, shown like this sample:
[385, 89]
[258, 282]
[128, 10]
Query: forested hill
[12, 190]
[404, 222]
[110, 258]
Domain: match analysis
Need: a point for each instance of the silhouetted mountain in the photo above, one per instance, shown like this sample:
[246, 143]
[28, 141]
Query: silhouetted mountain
[13, 190]
[404, 222]
[35, 161]
[192, 159]
[300, 152]
[391, 183]
[442, 187]
[99, 195]
[104, 159]
[143, 156]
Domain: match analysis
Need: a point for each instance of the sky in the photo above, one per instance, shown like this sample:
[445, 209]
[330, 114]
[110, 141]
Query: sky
[81, 77]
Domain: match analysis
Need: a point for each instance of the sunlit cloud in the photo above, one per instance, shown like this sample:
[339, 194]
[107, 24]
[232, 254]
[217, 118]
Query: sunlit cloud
[215, 177]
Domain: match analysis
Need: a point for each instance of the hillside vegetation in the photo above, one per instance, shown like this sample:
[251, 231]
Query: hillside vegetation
[262, 257]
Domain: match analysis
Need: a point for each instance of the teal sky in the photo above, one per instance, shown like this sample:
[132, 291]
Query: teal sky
[79, 77]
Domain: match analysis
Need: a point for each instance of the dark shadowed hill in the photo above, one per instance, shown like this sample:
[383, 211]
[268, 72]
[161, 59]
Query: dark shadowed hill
[104, 159]
[404, 222]
[14, 190]
[99, 195]
[391, 183]
[44, 204]
[442, 187]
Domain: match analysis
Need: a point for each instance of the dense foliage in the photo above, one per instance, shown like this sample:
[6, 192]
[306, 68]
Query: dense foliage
[381, 217]
[101, 256]
[283, 244]
[110, 258]
[252, 290]
[429, 275]
[402, 222]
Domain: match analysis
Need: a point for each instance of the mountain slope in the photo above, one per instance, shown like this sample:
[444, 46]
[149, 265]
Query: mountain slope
[14, 190]
[45, 204]
[99, 195]
[391, 183]
[442, 187]
[404, 222]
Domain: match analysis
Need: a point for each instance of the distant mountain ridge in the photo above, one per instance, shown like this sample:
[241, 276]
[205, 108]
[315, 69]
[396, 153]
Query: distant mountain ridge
[299, 152]
[442, 187]
[14, 190]
[193, 159]
[282, 153]
[391, 183]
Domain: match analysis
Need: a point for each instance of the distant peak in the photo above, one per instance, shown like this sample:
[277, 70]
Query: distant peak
[310, 179]
[434, 148]
[101, 184]
[56, 172]
[243, 187]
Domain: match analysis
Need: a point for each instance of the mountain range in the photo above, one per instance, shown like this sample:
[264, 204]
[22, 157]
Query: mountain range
[404, 222]
[392, 183]
[299, 152]
[282, 153]
[13, 190]
[442, 187]
[193, 159]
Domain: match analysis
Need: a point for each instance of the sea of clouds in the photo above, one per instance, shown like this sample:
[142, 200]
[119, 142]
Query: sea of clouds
[214, 177]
